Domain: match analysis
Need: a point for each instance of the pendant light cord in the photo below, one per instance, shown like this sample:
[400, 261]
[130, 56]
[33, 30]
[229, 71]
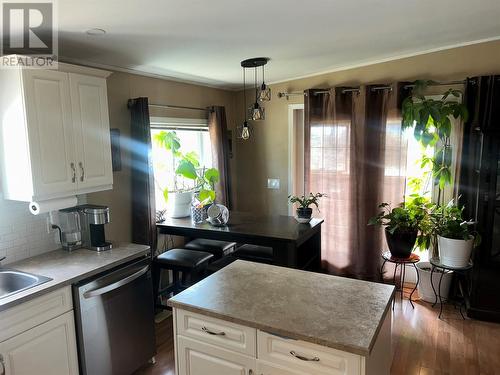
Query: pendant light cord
[244, 97]
[256, 91]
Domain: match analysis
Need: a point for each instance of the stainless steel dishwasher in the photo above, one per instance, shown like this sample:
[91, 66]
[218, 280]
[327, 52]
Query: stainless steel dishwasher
[115, 320]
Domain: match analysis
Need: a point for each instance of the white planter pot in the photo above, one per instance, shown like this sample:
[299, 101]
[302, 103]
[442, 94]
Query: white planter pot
[179, 204]
[455, 253]
[424, 284]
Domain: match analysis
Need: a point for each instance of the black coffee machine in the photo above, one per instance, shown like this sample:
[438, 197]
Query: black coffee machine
[92, 219]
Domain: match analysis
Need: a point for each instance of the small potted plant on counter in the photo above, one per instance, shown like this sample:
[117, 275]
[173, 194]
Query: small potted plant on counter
[401, 224]
[455, 238]
[304, 211]
[205, 195]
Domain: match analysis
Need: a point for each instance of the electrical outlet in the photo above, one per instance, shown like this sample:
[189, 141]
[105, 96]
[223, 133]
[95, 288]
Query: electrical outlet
[273, 183]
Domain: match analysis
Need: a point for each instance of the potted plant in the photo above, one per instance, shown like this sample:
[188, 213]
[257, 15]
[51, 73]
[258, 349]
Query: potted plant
[304, 211]
[189, 177]
[455, 238]
[401, 224]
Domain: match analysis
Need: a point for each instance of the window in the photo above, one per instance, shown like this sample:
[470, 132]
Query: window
[194, 137]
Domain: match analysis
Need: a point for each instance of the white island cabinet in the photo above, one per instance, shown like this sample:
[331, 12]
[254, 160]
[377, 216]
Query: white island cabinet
[54, 132]
[38, 336]
[240, 321]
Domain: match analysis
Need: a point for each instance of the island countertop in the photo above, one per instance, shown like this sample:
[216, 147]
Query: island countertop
[336, 312]
[65, 268]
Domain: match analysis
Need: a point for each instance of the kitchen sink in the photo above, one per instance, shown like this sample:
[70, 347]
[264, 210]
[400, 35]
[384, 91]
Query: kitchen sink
[12, 281]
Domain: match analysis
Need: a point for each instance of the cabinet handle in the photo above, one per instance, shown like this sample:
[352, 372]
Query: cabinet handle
[2, 364]
[83, 171]
[206, 330]
[302, 358]
[73, 179]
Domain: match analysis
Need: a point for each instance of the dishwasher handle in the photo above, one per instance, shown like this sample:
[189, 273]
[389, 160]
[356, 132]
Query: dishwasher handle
[115, 285]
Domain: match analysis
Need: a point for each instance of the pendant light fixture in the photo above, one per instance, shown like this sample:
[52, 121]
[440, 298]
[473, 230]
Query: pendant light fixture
[265, 91]
[255, 112]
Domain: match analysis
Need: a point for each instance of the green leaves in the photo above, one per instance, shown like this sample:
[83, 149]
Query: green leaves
[304, 201]
[168, 140]
[186, 169]
[432, 126]
[211, 176]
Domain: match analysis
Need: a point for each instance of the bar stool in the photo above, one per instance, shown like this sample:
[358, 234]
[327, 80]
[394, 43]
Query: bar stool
[186, 266]
[220, 264]
[218, 248]
[254, 253]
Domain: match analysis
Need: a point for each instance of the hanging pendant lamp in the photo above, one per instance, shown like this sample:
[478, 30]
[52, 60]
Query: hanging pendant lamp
[255, 112]
[265, 91]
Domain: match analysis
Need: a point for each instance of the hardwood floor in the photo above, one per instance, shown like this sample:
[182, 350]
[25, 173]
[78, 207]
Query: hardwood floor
[424, 345]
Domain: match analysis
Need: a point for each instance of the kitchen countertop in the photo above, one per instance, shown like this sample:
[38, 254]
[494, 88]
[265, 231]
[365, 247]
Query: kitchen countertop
[336, 312]
[65, 268]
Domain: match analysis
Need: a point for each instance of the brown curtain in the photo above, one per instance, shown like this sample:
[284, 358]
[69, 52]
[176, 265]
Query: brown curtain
[358, 158]
[143, 189]
[219, 139]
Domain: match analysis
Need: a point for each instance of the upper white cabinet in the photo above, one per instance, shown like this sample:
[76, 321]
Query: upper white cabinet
[91, 129]
[54, 133]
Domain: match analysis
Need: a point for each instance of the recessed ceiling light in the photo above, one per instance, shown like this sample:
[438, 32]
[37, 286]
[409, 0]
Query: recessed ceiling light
[96, 32]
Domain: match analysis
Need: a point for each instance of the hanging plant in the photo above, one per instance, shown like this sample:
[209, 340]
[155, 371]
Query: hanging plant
[431, 119]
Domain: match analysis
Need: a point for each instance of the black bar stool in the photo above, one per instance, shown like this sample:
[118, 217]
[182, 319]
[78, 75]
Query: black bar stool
[220, 264]
[254, 253]
[218, 248]
[186, 267]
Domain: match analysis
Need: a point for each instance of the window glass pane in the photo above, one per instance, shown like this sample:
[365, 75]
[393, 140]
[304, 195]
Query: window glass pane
[197, 141]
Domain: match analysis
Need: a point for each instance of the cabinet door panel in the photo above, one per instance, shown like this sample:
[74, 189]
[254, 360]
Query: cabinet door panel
[91, 126]
[50, 130]
[197, 358]
[49, 348]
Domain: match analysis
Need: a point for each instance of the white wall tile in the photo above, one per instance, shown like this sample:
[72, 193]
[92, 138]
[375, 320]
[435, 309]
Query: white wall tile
[23, 235]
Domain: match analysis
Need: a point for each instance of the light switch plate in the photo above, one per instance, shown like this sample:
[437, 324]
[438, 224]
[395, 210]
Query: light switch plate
[273, 183]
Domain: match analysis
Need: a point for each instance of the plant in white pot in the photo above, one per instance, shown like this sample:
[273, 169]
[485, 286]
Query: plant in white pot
[188, 177]
[455, 237]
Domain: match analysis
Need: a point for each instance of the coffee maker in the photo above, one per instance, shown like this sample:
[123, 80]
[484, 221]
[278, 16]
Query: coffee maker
[83, 226]
[93, 218]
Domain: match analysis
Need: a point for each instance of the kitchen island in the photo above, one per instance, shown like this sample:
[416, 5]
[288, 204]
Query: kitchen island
[256, 319]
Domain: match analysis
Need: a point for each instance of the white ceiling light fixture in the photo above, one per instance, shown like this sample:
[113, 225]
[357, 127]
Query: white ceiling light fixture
[95, 32]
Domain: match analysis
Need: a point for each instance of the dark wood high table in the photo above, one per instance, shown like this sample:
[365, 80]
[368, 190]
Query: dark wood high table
[294, 245]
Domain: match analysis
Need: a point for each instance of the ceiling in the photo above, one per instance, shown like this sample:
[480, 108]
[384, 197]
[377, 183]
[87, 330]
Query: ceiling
[204, 41]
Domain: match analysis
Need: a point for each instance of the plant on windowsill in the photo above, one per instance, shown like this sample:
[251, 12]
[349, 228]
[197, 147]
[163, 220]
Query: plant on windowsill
[455, 236]
[304, 211]
[189, 177]
[402, 224]
[431, 119]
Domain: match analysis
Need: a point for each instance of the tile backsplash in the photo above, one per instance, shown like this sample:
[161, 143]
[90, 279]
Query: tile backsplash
[23, 235]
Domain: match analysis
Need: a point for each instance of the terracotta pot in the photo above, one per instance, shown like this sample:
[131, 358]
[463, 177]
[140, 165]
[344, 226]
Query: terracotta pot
[401, 243]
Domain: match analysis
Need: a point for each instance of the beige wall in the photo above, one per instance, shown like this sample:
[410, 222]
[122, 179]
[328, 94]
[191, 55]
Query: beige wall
[123, 86]
[266, 154]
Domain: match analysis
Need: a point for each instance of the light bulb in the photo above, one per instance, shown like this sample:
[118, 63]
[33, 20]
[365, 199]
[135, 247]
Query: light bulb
[245, 132]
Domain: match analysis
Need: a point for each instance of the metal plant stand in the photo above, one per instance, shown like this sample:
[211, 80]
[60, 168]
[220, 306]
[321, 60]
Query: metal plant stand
[413, 259]
[459, 271]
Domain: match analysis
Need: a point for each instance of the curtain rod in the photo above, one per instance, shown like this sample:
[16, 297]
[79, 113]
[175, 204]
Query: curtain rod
[351, 89]
[285, 94]
[167, 106]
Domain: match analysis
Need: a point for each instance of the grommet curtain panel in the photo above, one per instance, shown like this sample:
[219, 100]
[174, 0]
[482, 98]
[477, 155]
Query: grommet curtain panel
[356, 155]
[217, 127]
[143, 189]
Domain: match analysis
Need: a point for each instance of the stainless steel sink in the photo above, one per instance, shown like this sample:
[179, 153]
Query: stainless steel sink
[12, 281]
